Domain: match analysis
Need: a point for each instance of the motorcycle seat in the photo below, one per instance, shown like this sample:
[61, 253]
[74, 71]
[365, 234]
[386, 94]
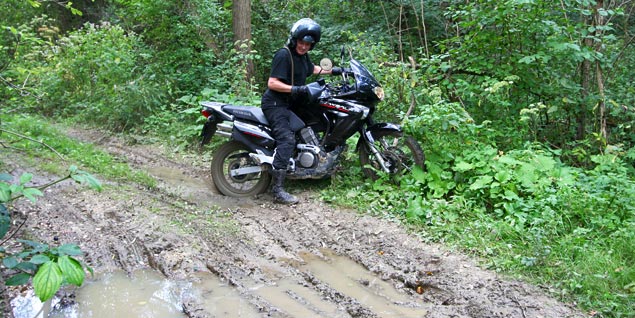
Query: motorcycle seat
[255, 114]
[251, 113]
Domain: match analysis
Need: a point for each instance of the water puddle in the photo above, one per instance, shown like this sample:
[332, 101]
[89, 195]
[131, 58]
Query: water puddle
[221, 299]
[355, 281]
[145, 294]
[200, 191]
[182, 183]
[148, 294]
[297, 300]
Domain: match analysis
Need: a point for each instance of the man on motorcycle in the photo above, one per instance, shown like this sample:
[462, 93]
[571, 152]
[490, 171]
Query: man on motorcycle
[290, 67]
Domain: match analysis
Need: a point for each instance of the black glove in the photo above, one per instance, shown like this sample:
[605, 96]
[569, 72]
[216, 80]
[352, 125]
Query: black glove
[337, 71]
[299, 91]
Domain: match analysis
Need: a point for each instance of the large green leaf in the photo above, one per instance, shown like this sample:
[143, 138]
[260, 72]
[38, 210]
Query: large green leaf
[10, 262]
[40, 259]
[70, 249]
[47, 280]
[463, 166]
[481, 182]
[18, 279]
[72, 270]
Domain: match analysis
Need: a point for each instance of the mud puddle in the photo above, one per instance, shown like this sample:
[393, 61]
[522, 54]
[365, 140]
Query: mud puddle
[144, 294]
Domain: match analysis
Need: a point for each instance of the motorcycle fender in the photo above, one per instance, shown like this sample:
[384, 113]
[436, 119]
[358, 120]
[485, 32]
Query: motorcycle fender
[209, 129]
[379, 130]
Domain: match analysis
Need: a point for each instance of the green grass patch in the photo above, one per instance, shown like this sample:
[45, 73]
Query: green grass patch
[40, 137]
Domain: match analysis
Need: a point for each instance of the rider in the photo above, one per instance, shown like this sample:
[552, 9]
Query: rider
[285, 89]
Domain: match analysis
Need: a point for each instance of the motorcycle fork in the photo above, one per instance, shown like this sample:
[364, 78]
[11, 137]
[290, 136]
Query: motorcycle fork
[370, 143]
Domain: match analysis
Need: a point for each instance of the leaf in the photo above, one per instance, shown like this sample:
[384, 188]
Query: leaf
[481, 182]
[10, 262]
[502, 176]
[5, 177]
[544, 163]
[5, 192]
[70, 249]
[84, 177]
[18, 279]
[25, 178]
[30, 193]
[419, 174]
[34, 3]
[414, 212]
[47, 281]
[5, 220]
[463, 166]
[37, 246]
[72, 270]
[40, 259]
[27, 267]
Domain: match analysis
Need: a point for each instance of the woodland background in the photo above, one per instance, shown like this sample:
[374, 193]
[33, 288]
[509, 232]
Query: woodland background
[524, 109]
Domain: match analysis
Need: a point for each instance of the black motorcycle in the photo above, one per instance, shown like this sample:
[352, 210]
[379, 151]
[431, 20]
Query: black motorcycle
[332, 114]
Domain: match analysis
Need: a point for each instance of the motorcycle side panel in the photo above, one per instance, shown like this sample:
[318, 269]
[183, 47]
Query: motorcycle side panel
[254, 137]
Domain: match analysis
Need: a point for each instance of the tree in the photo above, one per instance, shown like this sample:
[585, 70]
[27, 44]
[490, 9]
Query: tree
[241, 25]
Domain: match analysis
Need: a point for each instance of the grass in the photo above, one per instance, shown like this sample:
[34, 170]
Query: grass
[40, 137]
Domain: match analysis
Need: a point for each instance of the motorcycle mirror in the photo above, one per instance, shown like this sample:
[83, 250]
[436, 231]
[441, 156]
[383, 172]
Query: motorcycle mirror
[326, 64]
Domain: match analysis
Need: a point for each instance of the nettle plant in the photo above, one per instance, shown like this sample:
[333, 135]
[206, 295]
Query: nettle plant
[49, 267]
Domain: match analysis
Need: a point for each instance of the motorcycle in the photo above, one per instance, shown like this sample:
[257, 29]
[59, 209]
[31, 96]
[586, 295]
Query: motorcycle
[332, 113]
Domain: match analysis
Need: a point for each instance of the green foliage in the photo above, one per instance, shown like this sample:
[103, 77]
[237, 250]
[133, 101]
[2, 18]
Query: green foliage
[98, 75]
[536, 48]
[50, 267]
[191, 39]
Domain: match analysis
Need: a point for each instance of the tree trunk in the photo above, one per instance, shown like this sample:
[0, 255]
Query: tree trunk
[599, 21]
[241, 25]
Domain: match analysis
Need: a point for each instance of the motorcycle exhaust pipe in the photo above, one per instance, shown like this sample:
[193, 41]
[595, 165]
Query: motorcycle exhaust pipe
[225, 129]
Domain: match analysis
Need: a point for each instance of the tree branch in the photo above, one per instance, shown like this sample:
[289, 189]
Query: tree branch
[37, 141]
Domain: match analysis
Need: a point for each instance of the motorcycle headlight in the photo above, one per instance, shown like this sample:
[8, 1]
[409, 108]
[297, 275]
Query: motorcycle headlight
[379, 92]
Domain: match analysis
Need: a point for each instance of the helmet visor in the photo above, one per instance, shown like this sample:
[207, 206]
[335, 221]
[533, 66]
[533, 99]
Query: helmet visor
[308, 38]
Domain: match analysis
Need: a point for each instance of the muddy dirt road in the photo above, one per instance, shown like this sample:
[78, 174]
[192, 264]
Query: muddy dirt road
[306, 260]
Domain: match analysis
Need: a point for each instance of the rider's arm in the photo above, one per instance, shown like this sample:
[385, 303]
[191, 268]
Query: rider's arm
[277, 85]
[318, 70]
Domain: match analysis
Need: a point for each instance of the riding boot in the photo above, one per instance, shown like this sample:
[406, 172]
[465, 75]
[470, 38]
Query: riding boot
[279, 195]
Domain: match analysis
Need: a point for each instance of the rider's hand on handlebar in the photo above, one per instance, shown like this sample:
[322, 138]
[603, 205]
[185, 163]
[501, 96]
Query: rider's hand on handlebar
[340, 70]
[299, 91]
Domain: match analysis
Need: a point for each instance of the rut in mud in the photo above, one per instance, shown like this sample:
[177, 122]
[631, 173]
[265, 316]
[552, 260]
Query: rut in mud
[306, 260]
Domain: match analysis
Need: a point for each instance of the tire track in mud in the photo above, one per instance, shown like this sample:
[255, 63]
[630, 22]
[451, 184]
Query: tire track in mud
[306, 260]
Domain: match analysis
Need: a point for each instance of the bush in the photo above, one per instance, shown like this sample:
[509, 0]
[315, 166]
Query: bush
[99, 74]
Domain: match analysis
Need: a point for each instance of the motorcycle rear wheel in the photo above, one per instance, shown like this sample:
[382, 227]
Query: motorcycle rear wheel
[403, 153]
[234, 155]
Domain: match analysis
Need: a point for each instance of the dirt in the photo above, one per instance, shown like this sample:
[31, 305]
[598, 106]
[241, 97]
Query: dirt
[184, 227]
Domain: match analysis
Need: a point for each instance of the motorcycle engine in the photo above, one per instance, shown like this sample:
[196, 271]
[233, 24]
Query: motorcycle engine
[306, 159]
[308, 156]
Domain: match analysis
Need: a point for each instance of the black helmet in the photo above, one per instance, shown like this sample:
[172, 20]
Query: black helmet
[306, 30]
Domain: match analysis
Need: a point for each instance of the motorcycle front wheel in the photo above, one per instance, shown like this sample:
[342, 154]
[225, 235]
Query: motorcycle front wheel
[231, 156]
[401, 154]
